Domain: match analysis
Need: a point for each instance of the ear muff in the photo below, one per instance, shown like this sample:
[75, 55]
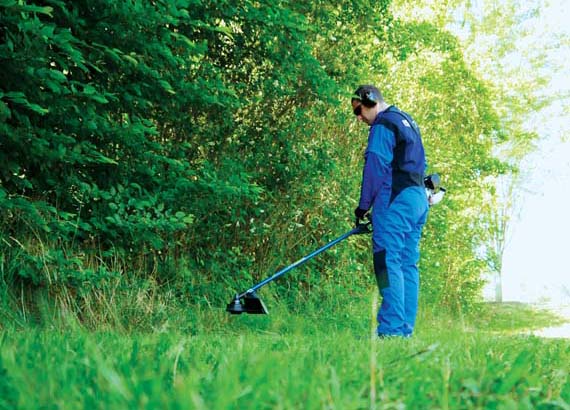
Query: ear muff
[368, 97]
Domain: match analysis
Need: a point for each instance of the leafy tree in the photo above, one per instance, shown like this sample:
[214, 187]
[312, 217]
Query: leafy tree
[198, 145]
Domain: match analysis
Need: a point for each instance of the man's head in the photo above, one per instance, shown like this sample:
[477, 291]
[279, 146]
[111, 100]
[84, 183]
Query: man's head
[367, 102]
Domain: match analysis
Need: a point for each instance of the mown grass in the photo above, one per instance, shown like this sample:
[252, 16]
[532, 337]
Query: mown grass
[319, 360]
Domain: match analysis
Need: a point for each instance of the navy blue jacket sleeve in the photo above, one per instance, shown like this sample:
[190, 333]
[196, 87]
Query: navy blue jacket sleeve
[377, 164]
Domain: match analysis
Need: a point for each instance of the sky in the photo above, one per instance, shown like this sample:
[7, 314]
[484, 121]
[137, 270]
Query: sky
[536, 263]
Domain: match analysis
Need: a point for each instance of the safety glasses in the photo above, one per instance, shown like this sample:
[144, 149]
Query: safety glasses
[358, 110]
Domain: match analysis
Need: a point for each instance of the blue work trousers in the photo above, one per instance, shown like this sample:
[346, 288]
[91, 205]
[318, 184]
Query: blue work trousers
[395, 240]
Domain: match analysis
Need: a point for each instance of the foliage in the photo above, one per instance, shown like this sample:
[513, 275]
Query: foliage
[143, 127]
[199, 146]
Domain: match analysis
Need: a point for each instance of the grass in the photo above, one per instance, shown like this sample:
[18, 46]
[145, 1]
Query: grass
[321, 360]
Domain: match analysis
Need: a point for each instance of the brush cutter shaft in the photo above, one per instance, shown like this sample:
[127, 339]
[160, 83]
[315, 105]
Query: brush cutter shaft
[357, 230]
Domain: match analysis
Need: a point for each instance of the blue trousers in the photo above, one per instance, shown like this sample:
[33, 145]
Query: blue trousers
[395, 242]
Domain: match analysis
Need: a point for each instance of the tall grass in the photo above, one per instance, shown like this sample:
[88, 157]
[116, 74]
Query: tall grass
[322, 359]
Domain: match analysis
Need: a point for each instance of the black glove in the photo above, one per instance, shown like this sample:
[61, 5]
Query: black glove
[360, 213]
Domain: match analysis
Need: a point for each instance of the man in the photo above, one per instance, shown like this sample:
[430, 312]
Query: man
[392, 186]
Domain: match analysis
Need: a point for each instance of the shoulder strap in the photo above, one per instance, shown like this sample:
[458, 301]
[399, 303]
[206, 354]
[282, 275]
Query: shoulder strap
[409, 120]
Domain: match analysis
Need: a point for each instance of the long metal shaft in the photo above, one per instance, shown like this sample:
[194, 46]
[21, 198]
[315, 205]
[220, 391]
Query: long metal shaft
[301, 261]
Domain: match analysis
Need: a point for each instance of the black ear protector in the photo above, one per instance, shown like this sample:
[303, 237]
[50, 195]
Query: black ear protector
[368, 96]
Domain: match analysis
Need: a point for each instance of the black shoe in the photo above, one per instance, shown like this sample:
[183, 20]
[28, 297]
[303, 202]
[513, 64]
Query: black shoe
[385, 336]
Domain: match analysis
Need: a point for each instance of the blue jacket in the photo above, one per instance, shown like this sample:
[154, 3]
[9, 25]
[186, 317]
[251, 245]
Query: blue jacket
[394, 158]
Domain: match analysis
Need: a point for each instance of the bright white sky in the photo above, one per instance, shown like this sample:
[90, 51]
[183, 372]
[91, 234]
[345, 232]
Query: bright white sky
[536, 264]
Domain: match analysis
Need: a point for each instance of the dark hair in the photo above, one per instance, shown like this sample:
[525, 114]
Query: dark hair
[368, 95]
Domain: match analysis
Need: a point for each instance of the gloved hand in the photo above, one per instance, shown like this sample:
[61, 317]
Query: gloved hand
[360, 213]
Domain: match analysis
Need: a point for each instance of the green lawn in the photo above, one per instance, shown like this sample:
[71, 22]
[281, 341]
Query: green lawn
[286, 361]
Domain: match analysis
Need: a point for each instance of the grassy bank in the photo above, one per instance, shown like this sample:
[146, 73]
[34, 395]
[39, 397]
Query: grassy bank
[286, 361]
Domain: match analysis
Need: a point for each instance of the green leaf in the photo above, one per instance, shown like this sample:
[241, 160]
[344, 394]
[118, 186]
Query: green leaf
[20, 98]
[133, 60]
[102, 159]
[99, 98]
[184, 39]
[53, 86]
[167, 87]
[35, 9]
[7, 3]
[89, 90]
[37, 108]
[5, 112]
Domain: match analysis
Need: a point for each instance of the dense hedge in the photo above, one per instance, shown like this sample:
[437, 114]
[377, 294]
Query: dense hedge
[205, 143]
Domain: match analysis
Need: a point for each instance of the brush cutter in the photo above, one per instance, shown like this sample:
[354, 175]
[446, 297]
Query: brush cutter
[249, 302]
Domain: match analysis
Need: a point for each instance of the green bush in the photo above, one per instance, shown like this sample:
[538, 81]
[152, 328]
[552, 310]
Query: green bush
[206, 144]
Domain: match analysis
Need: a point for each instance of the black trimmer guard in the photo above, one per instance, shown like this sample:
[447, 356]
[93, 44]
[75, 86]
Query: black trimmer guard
[249, 303]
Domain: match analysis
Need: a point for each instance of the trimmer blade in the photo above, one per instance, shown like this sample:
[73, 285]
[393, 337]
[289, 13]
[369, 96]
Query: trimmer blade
[235, 307]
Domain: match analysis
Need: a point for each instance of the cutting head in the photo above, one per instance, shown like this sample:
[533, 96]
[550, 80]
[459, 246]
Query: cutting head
[249, 303]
